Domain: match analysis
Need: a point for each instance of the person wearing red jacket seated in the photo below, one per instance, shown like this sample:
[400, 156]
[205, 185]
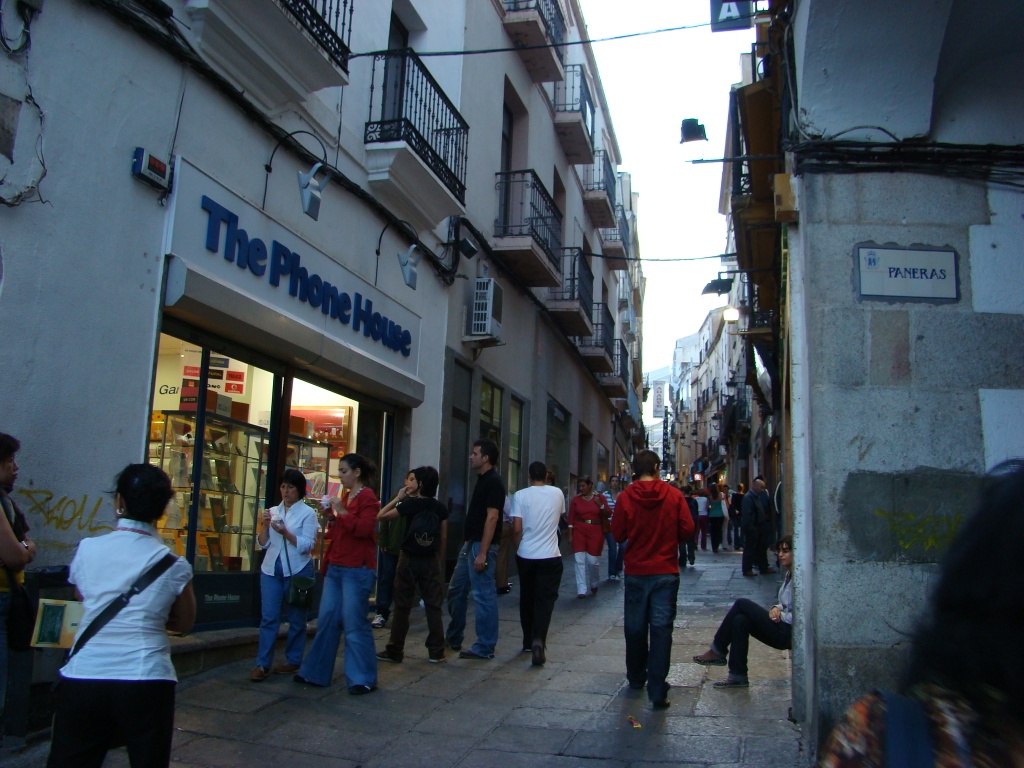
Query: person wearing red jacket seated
[656, 519]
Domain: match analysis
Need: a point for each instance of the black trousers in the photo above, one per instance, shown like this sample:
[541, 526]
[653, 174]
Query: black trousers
[96, 715]
[744, 620]
[424, 574]
[716, 532]
[538, 591]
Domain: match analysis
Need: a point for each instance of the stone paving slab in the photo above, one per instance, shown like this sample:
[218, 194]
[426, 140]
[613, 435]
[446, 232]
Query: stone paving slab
[573, 712]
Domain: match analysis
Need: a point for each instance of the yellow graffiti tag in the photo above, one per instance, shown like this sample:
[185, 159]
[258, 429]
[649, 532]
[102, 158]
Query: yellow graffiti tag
[65, 512]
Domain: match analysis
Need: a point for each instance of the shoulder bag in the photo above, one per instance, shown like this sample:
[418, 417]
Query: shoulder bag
[300, 588]
[21, 615]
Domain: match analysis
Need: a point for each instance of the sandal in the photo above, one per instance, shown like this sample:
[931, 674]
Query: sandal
[710, 659]
[732, 683]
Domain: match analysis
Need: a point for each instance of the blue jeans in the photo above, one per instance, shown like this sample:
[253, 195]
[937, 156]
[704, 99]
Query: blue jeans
[613, 553]
[343, 606]
[387, 566]
[5, 605]
[273, 591]
[650, 609]
[464, 578]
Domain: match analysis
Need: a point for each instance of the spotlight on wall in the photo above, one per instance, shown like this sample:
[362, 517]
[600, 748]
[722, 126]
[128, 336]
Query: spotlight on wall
[309, 190]
[693, 131]
[719, 285]
[408, 261]
[467, 248]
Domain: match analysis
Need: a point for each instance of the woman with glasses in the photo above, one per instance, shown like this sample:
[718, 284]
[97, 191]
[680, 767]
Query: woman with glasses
[746, 619]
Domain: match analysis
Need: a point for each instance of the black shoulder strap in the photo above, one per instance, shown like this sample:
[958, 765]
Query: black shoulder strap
[907, 741]
[150, 575]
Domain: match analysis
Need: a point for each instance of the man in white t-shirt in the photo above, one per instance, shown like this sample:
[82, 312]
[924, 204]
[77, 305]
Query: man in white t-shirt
[536, 511]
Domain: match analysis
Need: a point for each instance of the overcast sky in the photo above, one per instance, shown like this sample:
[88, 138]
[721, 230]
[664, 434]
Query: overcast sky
[651, 83]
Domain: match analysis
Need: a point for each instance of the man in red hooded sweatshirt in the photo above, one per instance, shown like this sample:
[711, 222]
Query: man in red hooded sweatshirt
[655, 518]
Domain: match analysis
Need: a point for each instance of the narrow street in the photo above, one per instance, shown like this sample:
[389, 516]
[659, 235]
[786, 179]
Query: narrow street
[574, 711]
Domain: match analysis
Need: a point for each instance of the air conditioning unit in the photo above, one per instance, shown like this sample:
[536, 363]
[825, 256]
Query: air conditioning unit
[484, 319]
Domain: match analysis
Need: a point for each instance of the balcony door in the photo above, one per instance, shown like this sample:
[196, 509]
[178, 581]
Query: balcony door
[394, 72]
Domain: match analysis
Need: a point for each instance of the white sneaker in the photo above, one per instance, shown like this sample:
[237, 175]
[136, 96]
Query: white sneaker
[378, 621]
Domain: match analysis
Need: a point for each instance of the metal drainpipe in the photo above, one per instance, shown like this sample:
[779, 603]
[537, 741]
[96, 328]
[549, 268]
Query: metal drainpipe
[805, 708]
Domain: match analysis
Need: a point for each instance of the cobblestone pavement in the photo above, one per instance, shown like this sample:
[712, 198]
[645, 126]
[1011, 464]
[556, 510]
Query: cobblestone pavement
[574, 712]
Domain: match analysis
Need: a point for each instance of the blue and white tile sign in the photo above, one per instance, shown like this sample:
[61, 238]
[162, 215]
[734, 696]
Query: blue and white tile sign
[907, 273]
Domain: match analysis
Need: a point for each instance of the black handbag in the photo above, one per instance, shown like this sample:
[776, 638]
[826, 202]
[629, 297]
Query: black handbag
[300, 588]
[21, 615]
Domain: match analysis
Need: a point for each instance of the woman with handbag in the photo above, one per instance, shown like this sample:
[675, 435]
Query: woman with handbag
[288, 534]
[118, 686]
[16, 552]
[351, 564]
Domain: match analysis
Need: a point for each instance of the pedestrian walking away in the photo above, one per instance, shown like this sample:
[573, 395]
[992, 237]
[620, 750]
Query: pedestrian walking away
[615, 551]
[655, 518]
[689, 552]
[474, 569]
[287, 535]
[419, 562]
[746, 619]
[350, 565]
[588, 512]
[536, 511]
[390, 534]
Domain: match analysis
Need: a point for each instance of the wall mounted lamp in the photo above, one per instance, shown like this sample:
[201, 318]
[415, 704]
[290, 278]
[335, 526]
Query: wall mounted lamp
[723, 283]
[309, 191]
[731, 315]
[692, 130]
[408, 261]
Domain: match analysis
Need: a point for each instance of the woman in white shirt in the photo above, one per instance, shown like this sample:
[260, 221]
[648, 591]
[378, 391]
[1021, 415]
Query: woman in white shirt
[288, 534]
[119, 687]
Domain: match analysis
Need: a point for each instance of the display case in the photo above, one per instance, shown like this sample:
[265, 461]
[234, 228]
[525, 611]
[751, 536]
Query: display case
[312, 459]
[219, 481]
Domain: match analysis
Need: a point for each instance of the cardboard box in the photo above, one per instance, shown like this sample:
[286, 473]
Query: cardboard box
[297, 426]
[240, 411]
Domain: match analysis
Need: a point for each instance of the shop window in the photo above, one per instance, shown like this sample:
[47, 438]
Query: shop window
[556, 454]
[213, 444]
[602, 463]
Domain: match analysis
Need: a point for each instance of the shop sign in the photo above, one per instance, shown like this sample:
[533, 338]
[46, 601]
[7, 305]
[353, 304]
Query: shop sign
[261, 257]
[726, 16]
[907, 273]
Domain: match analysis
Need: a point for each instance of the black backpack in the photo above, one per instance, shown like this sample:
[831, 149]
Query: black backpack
[424, 534]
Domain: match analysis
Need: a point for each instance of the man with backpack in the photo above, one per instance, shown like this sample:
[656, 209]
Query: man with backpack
[419, 562]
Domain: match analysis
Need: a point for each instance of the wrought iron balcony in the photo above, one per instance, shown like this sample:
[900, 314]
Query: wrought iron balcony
[615, 241]
[537, 27]
[599, 190]
[329, 22]
[597, 349]
[571, 303]
[407, 104]
[528, 229]
[574, 115]
[616, 383]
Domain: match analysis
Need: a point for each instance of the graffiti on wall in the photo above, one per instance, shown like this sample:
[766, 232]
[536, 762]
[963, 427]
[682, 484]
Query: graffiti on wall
[64, 513]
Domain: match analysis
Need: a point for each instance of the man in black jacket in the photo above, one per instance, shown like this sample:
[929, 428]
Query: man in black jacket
[755, 519]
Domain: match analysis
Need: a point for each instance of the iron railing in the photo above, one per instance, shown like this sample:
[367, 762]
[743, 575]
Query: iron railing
[600, 176]
[604, 330]
[526, 209]
[329, 22]
[412, 107]
[550, 15]
[620, 362]
[573, 95]
[620, 232]
[577, 280]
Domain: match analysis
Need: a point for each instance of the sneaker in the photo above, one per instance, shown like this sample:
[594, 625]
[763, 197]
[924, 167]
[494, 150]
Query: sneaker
[378, 621]
[474, 655]
[259, 674]
[385, 656]
[438, 659]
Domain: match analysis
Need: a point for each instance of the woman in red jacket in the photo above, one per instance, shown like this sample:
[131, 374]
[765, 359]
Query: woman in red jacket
[351, 570]
[587, 512]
